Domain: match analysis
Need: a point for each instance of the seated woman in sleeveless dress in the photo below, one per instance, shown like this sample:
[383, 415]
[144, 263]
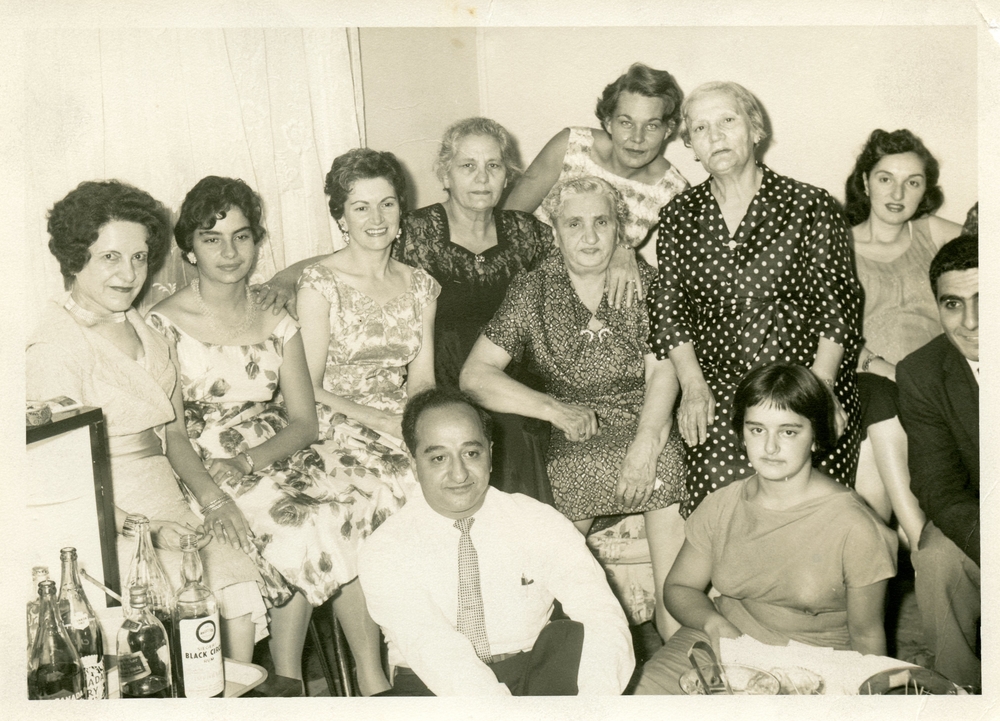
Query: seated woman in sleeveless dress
[892, 196]
[303, 508]
[93, 347]
[793, 554]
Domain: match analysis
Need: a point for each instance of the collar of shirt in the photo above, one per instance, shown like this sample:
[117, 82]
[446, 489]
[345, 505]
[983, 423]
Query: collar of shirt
[974, 365]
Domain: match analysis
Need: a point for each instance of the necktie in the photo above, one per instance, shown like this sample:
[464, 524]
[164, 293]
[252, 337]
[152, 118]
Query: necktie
[471, 620]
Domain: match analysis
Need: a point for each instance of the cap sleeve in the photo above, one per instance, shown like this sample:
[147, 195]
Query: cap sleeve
[509, 327]
[869, 551]
[425, 288]
[162, 325]
[317, 277]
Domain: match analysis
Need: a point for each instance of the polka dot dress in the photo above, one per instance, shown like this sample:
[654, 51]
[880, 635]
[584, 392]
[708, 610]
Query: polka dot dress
[766, 294]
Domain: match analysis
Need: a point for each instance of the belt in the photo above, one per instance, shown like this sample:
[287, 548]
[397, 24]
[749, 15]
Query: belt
[497, 657]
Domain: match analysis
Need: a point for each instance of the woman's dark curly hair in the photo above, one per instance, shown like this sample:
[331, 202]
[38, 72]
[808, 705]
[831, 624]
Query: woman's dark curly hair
[788, 387]
[642, 80]
[76, 220]
[360, 164]
[881, 143]
[209, 201]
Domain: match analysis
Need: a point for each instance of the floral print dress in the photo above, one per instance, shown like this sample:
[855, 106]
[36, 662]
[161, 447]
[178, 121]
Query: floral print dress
[308, 512]
[370, 347]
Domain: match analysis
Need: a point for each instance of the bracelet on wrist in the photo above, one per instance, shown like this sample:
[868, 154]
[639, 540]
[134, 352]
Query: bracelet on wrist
[131, 524]
[216, 504]
[869, 360]
[249, 459]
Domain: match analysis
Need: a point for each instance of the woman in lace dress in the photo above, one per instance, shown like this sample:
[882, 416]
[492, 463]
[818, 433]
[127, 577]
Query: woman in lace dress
[301, 503]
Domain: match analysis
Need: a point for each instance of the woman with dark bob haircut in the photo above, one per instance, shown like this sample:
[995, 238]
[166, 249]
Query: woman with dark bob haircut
[93, 347]
[793, 554]
[76, 220]
[274, 486]
[362, 163]
[892, 195]
[638, 115]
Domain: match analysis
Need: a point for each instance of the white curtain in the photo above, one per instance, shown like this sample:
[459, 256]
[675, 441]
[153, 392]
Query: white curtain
[161, 109]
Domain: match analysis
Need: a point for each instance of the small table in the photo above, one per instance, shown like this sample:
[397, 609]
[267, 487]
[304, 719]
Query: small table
[240, 677]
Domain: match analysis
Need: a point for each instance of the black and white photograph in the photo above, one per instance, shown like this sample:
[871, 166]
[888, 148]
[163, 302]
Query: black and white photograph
[479, 349]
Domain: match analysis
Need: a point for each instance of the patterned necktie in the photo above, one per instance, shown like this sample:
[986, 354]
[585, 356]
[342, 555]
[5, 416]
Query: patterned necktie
[471, 620]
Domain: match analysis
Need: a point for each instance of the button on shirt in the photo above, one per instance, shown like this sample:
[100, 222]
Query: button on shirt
[529, 554]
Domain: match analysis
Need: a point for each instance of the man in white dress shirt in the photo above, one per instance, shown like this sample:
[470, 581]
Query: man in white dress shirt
[508, 556]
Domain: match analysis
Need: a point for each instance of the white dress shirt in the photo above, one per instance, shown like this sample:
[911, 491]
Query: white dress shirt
[529, 554]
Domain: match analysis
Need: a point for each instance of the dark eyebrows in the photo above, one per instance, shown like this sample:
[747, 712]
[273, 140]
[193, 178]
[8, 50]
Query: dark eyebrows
[946, 298]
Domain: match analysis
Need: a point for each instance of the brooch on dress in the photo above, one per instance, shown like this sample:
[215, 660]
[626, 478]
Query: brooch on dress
[600, 335]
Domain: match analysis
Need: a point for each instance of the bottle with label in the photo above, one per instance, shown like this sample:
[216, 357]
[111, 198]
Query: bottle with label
[198, 631]
[54, 671]
[82, 626]
[38, 574]
[143, 651]
[146, 571]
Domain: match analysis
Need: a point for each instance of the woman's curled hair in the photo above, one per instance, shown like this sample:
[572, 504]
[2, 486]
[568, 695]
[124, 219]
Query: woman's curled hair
[642, 80]
[477, 126]
[209, 201]
[881, 143]
[361, 164]
[75, 222]
[788, 387]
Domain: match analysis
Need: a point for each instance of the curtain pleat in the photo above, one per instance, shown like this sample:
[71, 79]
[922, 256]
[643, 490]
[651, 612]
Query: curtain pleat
[161, 109]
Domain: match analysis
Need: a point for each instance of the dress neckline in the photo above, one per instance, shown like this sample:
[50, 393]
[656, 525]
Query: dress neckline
[274, 332]
[341, 282]
[478, 257]
[909, 249]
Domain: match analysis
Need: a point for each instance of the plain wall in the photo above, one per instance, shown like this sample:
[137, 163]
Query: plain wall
[824, 90]
[417, 82]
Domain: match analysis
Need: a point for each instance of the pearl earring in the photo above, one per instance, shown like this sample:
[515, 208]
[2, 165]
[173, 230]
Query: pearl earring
[399, 233]
[192, 259]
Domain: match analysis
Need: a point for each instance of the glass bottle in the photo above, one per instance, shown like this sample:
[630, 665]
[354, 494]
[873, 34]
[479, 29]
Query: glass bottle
[143, 651]
[198, 631]
[54, 671]
[38, 574]
[147, 571]
[82, 626]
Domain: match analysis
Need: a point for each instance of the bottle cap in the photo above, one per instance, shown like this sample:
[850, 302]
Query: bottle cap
[189, 542]
[39, 573]
[138, 597]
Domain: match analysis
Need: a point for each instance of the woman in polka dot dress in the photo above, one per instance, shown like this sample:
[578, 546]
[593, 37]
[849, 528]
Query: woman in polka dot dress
[753, 268]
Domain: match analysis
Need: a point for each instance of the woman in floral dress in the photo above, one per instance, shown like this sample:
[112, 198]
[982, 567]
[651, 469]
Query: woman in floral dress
[301, 504]
[367, 327]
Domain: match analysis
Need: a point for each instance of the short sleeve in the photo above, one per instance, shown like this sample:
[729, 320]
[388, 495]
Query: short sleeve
[869, 551]
[425, 288]
[670, 319]
[316, 277]
[162, 325]
[286, 329]
[700, 529]
[508, 328]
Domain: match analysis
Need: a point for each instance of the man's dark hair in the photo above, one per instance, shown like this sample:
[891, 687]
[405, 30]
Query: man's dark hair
[438, 397]
[962, 253]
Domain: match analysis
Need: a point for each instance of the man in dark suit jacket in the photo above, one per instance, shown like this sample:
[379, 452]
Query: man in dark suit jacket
[939, 408]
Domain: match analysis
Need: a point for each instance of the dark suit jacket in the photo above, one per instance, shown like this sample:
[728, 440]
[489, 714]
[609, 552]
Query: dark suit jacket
[939, 408]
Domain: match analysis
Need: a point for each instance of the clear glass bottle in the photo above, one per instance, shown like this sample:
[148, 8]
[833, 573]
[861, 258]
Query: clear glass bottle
[38, 574]
[143, 651]
[82, 626]
[198, 630]
[54, 671]
[146, 571]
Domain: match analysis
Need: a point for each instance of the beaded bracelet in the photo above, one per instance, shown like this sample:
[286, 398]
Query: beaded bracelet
[869, 360]
[216, 504]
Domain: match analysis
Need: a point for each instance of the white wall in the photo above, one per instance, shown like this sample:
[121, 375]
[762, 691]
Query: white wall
[824, 89]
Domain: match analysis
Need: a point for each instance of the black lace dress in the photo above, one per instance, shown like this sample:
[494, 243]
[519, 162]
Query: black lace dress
[472, 288]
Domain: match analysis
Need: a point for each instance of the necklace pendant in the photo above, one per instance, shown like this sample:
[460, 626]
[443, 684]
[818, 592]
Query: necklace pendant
[732, 244]
[480, 259]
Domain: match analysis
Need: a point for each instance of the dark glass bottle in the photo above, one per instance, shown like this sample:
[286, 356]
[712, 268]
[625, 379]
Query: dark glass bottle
[143, 652]
[54, 671]
[82, 626]
[198, 631]
[147, 571]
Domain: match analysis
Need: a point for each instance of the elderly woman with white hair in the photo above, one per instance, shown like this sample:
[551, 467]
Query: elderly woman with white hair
[614, 447]
[754, 268]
